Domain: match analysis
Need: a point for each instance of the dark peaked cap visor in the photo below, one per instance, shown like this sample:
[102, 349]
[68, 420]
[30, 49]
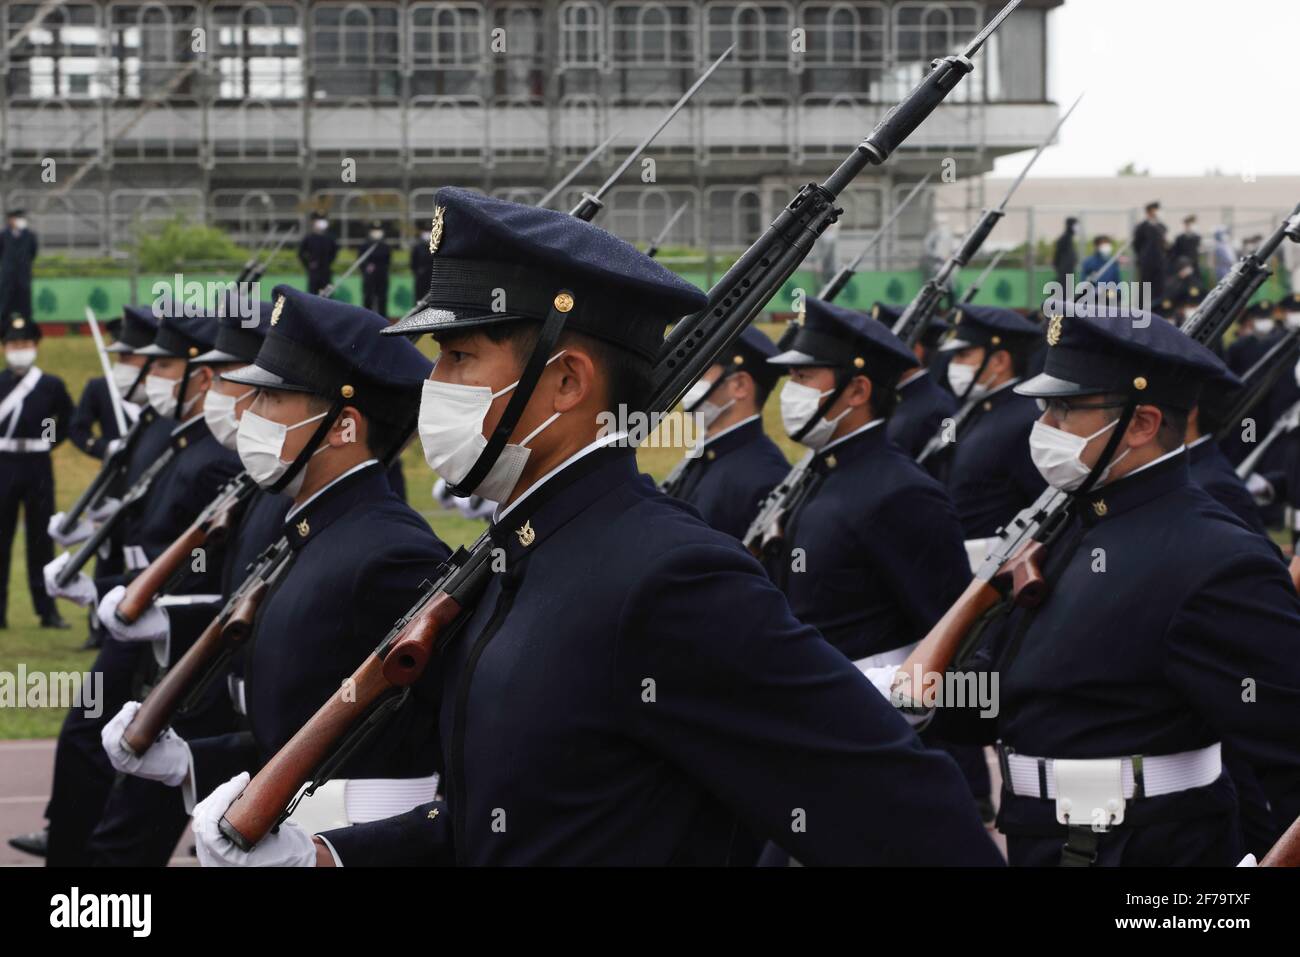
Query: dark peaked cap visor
[138, 330]
[496, 261]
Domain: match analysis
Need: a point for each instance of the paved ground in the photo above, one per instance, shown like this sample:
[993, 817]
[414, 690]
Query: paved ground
[25, 770]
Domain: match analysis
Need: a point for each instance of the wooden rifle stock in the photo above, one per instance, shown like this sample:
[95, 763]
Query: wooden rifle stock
[239, 624]
[165, 698]
[208, 529]
[1286, 852]
[259, 806]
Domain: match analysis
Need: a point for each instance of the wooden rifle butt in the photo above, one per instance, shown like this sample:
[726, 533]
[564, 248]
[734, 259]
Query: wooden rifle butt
[144, 588]
[1286, 852]
[1295, 572]
[938, 648]
[253, 814]
[414, 644]
[239, 623]
[165, 698]
[1025, 569]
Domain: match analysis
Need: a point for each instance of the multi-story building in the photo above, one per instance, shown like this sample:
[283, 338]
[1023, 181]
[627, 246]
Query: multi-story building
[246, 114]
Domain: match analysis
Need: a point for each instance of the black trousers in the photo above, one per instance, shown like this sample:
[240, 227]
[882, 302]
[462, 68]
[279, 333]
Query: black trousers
[316, 281]
[374, 296]
[15, 297]
[83, 776]
[26, 480]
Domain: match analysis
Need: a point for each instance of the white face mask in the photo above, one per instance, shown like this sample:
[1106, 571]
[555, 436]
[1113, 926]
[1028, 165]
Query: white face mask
[320, 225]
[705, 413]
[21, 358]
[1056, 454]
[161, 394]
[799, 403]
[124, 377]
[1292, 320]
[1264, 326]
[1105, 249]
[451, 433]
[376, 234]
[259, 443]
[219, 414]
[962, 377]
[20, 224]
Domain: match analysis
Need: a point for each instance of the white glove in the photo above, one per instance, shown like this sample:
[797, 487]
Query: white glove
[882, 679]
[80, 532]
[290, 846]
[1260, 488]
[153, 625]
[1248, 861]
[167, 760]
[80, 591]
[113, 445]
[105, 509]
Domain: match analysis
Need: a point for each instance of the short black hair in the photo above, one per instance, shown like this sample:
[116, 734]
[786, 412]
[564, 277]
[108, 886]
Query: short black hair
[382, 437]
[627, 375]
[1173, 422]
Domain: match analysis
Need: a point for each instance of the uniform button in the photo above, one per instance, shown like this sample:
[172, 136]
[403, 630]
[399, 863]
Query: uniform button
[710, 455]
[988, 406]
[830, 462]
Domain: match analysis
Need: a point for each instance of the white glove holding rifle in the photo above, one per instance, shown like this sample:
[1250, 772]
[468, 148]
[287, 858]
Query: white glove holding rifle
[152, 625]
[167, 760]
[105, 509]
[78, 534]
[80, 591]
[288, 846]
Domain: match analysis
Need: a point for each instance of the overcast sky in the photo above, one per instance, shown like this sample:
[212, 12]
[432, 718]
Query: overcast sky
[1176, 86]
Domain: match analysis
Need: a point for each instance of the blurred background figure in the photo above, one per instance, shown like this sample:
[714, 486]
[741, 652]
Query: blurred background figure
[1103, 247]
[1065, 258]
[1150, 242]
[421, 261]
[374, 271]
[316, 252]
[17, 252]
[937, 246]
[1225, 255]
[1187, 245]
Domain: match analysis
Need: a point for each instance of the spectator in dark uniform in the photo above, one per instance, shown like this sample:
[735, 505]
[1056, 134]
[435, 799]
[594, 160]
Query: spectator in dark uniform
[1150, 242]
[374, 271]
[1187, 245]
[34, 413]
[317, 252]
[18, 247]
[1065, 258]
[421, 261]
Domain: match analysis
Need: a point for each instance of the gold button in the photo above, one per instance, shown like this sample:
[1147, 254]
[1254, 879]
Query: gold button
[738, 360]
[347, 392]
[830, 462]
[194, 350]
[859, 362]
[1100, 508]
[710, 455]
[997, 340]
[182, 442]
[1140, 383]
[988, 406]
[563, 302]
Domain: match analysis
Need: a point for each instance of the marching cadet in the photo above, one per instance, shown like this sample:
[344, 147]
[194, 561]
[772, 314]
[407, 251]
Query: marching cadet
[334, 400]
[421, 261]
[18, 247]
[1168, 633]
[1257, 333]
[142, 819]
[374, 272]
[317, 252]
[989, 472]
[923, 404]
[729, 472]
[691, 696]
[94, 411]
[34, 413]
[176, 386]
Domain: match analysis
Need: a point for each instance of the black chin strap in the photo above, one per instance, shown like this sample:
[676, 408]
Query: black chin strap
[139, 378]
[727, 372]
[842, 379]
[300, 461]
[1120, 428]
[179, 414]
[974, 380]
[550, 335]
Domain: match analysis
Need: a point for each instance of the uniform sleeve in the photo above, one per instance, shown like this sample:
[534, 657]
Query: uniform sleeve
[63, 410]
[419, 838]
[1233, 649]
[715, 674]
[218, 759]
[302, 251]
[81, 426]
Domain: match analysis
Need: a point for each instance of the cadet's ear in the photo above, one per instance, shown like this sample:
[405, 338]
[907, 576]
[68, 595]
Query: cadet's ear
[1145, 426]
[201, 378]
[349, 427]
[742, 386]
[858, 392]
[578, 378]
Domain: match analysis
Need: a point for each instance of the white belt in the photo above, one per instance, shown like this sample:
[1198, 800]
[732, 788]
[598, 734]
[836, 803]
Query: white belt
[25, 445]
[886, 658]
[338, 803]
[1161, 773]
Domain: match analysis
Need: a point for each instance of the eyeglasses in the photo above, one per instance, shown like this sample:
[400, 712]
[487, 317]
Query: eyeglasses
[1060, 409]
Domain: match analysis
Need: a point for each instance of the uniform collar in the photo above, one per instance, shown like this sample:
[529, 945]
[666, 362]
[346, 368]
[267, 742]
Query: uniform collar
[1201, 449]
[732, 438]
[361, 483]
[500, 514]
[1002, 393]
[922, 376]
[1153, 480]
[563, 494]
[855, 445]
[194, 429]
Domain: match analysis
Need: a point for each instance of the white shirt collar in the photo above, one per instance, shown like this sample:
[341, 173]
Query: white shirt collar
[856, 432]
[327, 486]
[600, 443]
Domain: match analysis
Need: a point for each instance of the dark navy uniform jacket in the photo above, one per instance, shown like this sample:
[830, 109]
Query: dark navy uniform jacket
[632, 682]
[727, 483]
[317, 252]
[95, 408]
[881, 548]
[991, 476]
[1156, 655]
[48, 400]
[923, 406]
[1212, 472]
[359, 557]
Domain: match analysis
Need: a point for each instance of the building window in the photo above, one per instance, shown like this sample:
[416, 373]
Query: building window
[761, 34]
[846, 44]
[582, 35]
[519, 72]
[60, 57]
[355, 51]
[446, 44]
[258, 49]
[147, 45]
[924, 31]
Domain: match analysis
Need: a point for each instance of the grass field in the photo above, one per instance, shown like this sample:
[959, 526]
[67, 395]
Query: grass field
[73, 359]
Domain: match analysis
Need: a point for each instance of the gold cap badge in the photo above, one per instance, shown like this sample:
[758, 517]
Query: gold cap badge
[563, 302]
[279, 308]
[303, 528]
[525, 534]
[435, 228]
[194, 350]
[1054, 330]
[347, 392]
